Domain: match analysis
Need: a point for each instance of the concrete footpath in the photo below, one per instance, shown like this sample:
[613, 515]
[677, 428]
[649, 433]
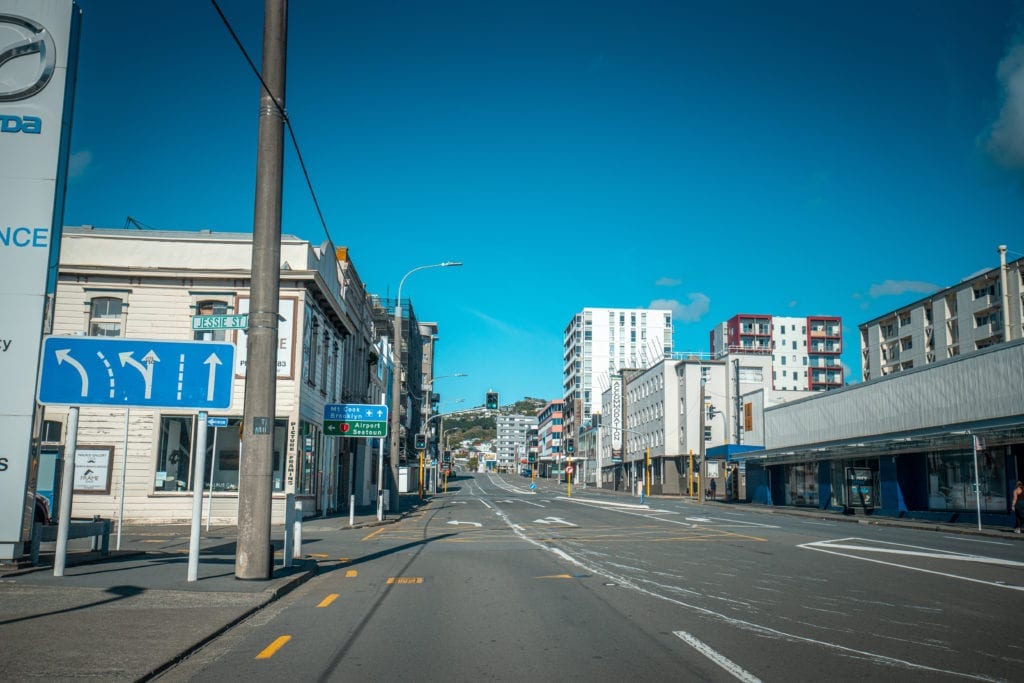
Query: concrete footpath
[131, 614]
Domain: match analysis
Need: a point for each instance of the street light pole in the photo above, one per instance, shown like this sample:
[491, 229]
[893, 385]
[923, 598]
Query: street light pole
[396, 378]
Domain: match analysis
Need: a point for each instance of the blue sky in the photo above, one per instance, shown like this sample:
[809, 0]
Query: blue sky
[792, 158]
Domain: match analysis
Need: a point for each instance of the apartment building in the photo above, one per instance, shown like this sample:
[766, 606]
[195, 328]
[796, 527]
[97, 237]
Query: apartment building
[512, 440]
[600, 342]
[805, 351]
[150, 285]
[973, 314]
[549, 437]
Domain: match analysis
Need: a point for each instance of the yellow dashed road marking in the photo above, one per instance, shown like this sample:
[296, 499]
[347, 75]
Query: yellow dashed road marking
[271, 649]
[328, 600]
[351, 574]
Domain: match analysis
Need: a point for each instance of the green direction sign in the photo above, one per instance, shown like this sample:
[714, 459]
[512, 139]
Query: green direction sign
[220, 322]
[355, 428]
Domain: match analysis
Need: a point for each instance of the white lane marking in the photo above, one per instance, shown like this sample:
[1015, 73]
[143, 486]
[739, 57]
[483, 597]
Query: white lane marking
[485, 503]
[824, 547]
[457, 522]
[508, 487]
[608, 503]
[977, 540]
[734, 669]
[553, 520]
[916, 551]
[739, 623]
[697, 519]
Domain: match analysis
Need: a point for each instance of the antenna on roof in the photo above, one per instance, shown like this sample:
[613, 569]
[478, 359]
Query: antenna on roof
[130, 222]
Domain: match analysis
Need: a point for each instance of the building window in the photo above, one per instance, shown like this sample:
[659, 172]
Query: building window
[211, 308]
[176, 450]
[105, 317]
[52, 430]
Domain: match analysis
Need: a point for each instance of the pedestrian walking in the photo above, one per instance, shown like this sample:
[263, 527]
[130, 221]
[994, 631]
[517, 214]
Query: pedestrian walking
[714, 487]
[1018, 507]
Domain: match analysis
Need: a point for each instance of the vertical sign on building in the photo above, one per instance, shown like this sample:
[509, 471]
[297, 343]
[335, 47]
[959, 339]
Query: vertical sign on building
[36, 95]
[616, 418]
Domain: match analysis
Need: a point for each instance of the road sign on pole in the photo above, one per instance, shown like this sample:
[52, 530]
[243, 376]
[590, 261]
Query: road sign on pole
[356, 419]
[115, 371]
[220, 322]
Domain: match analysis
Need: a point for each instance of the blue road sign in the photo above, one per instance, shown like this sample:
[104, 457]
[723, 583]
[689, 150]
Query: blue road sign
[355, 412]
[115, 371]
[216, 422]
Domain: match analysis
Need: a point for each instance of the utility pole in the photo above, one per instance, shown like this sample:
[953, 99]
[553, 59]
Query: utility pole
[703, 447]
[254, 558]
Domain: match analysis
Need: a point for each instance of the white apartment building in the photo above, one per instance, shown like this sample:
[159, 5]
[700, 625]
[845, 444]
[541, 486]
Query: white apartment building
[973, 314]
[601, 342]
[805, 351]
[512, 445]
[149, 285]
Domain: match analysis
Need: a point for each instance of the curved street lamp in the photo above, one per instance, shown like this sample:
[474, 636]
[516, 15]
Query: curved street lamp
[396, 382]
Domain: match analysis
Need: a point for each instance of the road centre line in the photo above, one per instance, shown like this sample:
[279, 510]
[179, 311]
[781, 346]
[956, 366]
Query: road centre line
[270, 650]
[733, 621]
[734, 669]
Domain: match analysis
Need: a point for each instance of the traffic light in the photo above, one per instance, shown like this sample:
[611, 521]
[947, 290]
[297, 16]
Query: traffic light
[492, 400]
[570, 446]
[421, 442]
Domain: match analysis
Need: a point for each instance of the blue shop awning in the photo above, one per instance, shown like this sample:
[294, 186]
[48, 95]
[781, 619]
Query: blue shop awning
[730, 451]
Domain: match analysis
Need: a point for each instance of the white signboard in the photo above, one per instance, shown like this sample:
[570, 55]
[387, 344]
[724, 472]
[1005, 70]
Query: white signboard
[285, 338]
[92, 470]
[36, 93]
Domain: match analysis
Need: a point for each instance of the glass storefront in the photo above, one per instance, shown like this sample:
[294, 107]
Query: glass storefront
[951, 480]
[175, 454]
[802, 484]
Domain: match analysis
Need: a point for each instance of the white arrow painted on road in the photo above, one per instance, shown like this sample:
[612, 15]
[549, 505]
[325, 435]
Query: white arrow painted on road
[145, 370]
[553, 520]
[456, 522]
[213, 361]
[64, 356]
[697, 519]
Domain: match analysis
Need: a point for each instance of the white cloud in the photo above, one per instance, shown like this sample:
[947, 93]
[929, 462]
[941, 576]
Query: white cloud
[1005, 140]
[668, 282]
[687, 313]
[896, 287]
[79, 163]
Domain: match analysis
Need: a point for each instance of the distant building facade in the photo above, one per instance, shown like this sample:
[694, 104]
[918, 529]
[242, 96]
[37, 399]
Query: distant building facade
[973, 314]
[805, 352]
[599, 343]
[512, 440]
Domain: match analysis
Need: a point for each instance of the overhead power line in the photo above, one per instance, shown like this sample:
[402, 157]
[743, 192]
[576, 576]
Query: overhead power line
[284, 117]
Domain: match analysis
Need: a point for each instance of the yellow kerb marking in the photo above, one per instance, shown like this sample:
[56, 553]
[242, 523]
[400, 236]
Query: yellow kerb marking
[271, 649]
[328, 600]
[555, 576]
[351, 574]
[372, 534]
[404, 579]
[318, 554]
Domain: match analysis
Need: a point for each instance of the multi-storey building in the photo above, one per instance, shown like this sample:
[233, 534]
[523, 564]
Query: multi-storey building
[805, 352]
[975, 313]
[599, 343]
[149, 285]
[512, 443]
[549, 436]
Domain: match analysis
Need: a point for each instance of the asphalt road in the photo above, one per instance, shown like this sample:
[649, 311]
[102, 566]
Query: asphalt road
[494, 581]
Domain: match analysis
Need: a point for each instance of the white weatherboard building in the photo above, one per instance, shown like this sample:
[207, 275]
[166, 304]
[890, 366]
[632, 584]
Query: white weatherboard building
[601, 342]
[150, 285]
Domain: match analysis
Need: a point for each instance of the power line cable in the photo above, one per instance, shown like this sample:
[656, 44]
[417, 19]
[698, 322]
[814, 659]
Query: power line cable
[284, 117]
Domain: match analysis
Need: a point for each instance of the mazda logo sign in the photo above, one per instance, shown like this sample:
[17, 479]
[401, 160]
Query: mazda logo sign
[28, 57]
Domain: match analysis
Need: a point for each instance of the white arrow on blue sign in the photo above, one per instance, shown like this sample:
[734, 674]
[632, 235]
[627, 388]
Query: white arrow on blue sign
[114, 371]
[355, 412]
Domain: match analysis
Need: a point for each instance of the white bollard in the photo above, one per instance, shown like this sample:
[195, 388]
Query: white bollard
[297, 547]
